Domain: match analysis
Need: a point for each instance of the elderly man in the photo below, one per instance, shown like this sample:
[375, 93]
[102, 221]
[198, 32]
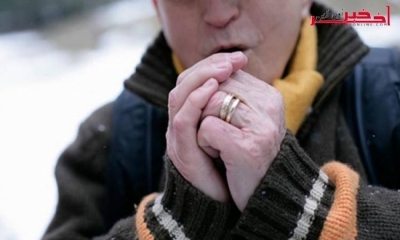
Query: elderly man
[245, 99]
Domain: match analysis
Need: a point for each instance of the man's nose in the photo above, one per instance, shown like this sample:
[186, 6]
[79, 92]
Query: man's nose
[219, 13]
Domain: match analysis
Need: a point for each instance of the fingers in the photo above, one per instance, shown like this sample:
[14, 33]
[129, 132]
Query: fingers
[242, 116]
[237, 60]
[251, 142]
[246, 87]
[182, 148]
[246, 156]
[218, 66]
[210, 151]
[220, 136]
[256, 97]
[186, 101]
[186, 120]
[258, 101]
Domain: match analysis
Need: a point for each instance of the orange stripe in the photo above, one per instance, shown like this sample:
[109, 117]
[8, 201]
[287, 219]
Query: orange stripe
[143, 232]
[341, 222]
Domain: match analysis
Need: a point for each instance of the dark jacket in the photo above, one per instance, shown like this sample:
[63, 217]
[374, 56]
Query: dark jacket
[277, 205]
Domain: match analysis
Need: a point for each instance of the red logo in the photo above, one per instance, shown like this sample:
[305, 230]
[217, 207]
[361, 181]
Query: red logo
[363, 17]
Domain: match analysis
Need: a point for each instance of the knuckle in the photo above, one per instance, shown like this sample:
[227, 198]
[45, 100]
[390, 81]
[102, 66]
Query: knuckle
[216, 100]
[172, 98]
[274, 132]
[192, 100]
[179, 124]
[254, 149]
[206, 128]
[181, 77]
[246, 116]
[208, 121]
[215, 58]
[274, 137]
[275, 108]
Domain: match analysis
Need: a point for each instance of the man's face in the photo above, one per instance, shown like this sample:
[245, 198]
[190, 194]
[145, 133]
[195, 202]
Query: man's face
[265, 30]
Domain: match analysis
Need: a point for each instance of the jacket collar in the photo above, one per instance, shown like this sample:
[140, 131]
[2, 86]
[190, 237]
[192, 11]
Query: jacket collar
[339, 50]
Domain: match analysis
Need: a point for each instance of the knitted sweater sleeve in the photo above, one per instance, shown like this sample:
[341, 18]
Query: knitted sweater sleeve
[298, 200]
[295, 200]
[183, 212]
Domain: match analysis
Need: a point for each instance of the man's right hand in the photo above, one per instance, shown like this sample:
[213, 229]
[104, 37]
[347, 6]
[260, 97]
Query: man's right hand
[194, 88]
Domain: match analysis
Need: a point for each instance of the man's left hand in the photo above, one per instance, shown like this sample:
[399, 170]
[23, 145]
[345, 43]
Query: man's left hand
[251, 141]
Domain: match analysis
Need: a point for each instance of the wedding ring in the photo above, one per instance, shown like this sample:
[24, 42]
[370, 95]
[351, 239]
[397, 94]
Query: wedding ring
[225, 105]
[232, 109]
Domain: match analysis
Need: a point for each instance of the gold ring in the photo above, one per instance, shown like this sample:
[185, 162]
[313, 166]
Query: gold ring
[225, 105]
[232, 109]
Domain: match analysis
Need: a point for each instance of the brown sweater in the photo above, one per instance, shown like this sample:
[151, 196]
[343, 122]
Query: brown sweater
[296, 199]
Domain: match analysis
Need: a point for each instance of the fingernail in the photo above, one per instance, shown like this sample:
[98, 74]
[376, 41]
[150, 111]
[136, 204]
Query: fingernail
[236, 55]
[221, 65]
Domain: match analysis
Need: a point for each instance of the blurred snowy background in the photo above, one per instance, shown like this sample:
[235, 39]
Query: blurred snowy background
[53, 75]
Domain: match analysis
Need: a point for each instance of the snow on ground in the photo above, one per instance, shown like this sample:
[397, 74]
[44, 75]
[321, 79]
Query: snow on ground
[45, 92]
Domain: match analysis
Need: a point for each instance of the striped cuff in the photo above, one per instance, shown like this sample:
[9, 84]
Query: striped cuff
[312, 203]
[292, 201]
[183, 212]
[154, 221]
[341, 222]
[142, 228]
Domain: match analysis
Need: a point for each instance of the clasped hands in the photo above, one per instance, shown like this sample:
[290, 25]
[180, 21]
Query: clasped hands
[196, 135]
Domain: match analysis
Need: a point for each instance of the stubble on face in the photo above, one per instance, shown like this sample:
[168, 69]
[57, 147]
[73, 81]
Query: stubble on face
[266, 31]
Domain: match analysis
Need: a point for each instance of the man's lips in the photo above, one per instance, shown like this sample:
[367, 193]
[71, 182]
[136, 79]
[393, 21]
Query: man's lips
[229, 49]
